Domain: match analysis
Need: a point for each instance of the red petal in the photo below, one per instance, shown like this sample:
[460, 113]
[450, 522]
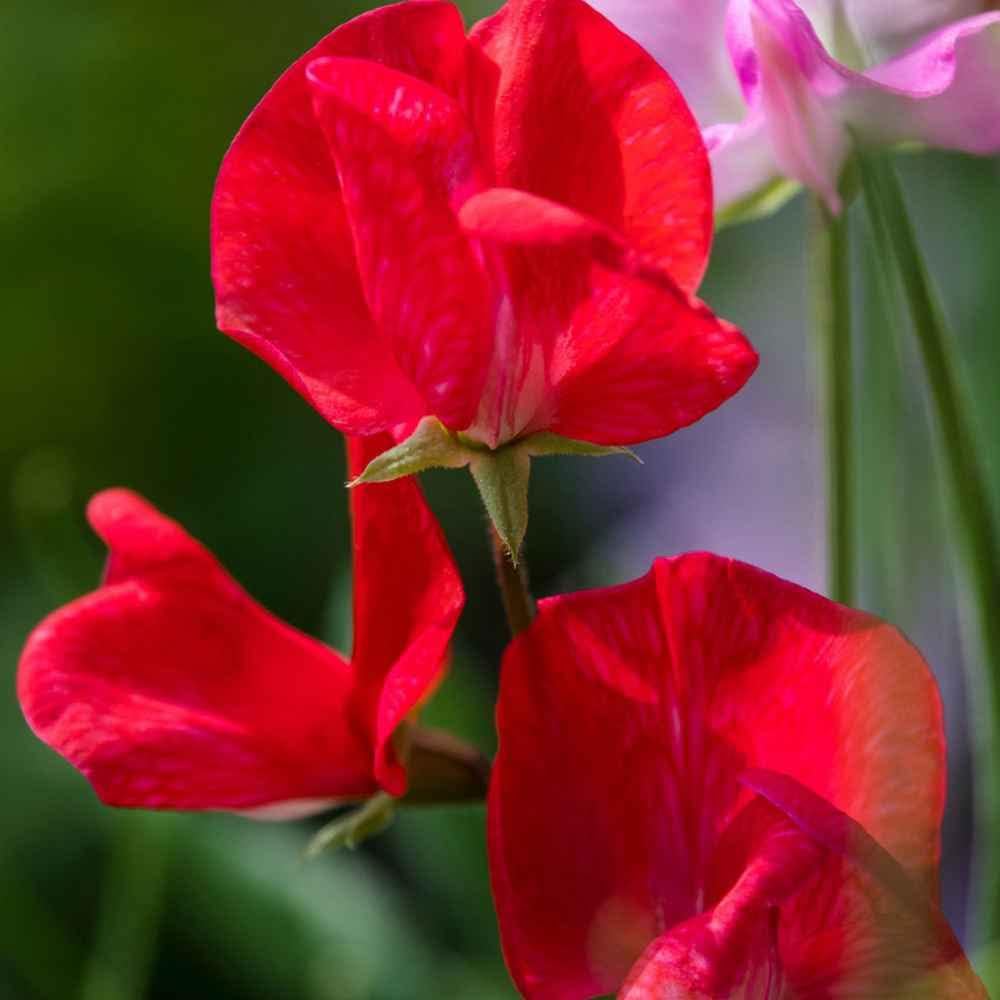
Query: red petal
[861, 926]
[171, 688]
[141, 540]
[816, 908]
[582, 810]
[407, 599]
[732, 950]
[406, 160]
[627, 355]
[655, 362]
[282, 259]
[626, 717]
[585, 117]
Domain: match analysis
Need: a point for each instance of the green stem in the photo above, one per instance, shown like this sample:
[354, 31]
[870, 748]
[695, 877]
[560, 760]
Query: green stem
[831, 291]
[882, 496]
[972, 519]
[513, 583]
[129, 915]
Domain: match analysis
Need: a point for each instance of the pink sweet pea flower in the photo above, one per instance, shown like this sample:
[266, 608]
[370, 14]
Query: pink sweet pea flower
[501, 231]
[713, 784]
[170, 688]
[784, 90]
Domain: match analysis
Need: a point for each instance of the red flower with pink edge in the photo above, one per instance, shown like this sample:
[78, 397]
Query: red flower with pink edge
[169, 687]
[714, 784]
[496, 234]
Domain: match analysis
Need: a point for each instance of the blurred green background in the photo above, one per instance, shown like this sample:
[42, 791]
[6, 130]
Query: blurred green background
[115, 117]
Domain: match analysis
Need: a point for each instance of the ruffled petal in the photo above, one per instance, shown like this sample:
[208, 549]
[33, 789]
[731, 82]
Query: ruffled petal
[407, 599]
[170, 688]
[406, 160]
[584, 117]
[578, 806]
[607, 348]
[884, 28]
[861, 926]
[944, 92]
[748, 179]
[653, 361]
[628, 715]
[283, 264]
[787, 76]
[732, 950]
[816, 908]
[876, 750]
[141, 541]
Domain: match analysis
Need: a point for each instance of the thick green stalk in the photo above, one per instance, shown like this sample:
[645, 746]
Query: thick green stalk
[831, 291]
[972, 520]
[883, 500]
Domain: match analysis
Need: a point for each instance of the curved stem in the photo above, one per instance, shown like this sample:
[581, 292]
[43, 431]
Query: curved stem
[831, 292]
[972, 520]
[513, 583]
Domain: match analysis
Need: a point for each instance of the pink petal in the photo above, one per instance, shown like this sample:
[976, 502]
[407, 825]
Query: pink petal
[406, 161]
[282, 258]
[686, 40]
[944, 92]
[584, 117]
[171, 688]
[606, 348]
[743, 160]
[407, 599]
[787, 75]
[887, 27]
[626, 718]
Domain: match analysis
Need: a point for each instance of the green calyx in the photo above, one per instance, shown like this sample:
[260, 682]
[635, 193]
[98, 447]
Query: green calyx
[501, 474]
[430, 446]
[355, 827]
[440, 768]
[764, 201]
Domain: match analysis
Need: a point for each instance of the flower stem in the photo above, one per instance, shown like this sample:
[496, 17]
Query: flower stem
[971, 518]
[513, 583]
[831, 292]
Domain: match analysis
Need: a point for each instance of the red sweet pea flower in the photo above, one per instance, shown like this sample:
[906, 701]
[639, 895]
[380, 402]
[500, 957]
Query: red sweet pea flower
[169, 687]
[726, 784]
[501, 231]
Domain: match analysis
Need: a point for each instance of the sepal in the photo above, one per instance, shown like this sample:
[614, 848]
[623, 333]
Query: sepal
[759, 204]
[355, 827]
[547, 443]
[502, 480]
[501, 474]
[430, 446]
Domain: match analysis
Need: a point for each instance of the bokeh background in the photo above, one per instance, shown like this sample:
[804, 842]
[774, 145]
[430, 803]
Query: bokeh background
[115, 116]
